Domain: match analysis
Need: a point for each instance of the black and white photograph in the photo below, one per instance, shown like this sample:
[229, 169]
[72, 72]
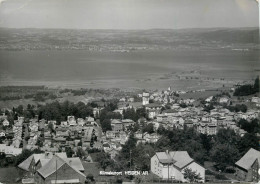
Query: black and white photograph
[129, 91]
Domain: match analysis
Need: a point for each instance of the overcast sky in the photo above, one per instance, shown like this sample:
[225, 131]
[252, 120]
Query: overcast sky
[128, 14]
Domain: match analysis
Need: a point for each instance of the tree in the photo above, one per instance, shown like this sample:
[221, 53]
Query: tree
[149, 128]
[161, 130]
[191, 176]
[39, 142]
[51, 127]
[69, 152]
[141, 156]
[224, 155]
[104, 160]
[256, 84]
[80, 152]
[130, 114]
[90, 177]
[249, 140]
[106, 125]
[19, 110]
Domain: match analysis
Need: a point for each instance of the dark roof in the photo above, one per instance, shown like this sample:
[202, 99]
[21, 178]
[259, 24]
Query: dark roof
[153, 105]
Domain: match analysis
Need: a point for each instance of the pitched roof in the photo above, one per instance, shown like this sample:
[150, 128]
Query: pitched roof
[75, 163]
[164, 158]
[37, 157]
[248, 159]
[26, 163]
[44, 161]
[55, 163]
[116, 121]
[182, 158]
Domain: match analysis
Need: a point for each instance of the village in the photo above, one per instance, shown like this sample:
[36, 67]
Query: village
[66, 144]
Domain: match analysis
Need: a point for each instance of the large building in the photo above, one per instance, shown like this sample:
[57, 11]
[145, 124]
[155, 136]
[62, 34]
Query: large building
[50, 168]
[248, 166]
[60, 170]
[116, 125]
[171, 165]
[145, 98]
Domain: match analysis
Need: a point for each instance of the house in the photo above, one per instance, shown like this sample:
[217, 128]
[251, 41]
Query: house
[151, 138]
[42, 124]
[3, 116]
[2, 134]
[81, 121]
[138, 135]
[127, 123]
[209, 99]
[145, 98]
[60, 170]
[5, 122]
[96, 112]
[255, 100]
[112, 152]
[110, 134]
[131, 99]
[31, 164]
[71, 121]
[171, 165]
[162, 118]
[255, 170]
[87, 138]
[246, 166]
[211, 129]
[152, 113]
[116, 125]
[10, 150]
[90, 119]
[188, 123]
[153, 106]
[224, 100]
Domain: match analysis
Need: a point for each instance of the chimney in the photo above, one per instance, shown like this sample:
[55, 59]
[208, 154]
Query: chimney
[167, 152]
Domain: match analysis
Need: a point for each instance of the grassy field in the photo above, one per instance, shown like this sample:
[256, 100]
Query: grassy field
[197, 95]
[11, 175]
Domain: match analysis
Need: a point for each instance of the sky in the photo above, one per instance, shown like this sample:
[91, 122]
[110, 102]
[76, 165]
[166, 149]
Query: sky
[128, 14]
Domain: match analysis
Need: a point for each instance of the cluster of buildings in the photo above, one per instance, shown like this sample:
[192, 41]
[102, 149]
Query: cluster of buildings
[182, 113]
[162, 109]
[47, 135]
[71, 133]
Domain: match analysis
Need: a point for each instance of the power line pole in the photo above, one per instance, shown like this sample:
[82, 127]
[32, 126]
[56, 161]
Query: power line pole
[56, 172]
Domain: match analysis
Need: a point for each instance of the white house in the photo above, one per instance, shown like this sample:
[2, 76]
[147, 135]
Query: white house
[10, 150]
[2, 133]
[171, 165]
[72, 121]
[5, 122]
[145, 98]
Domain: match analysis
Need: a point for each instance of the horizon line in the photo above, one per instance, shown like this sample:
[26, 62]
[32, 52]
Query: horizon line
[107, 29]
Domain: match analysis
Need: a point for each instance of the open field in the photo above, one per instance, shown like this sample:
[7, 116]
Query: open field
[11, 175]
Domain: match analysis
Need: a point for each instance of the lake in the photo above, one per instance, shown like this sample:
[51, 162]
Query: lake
[138, 69]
